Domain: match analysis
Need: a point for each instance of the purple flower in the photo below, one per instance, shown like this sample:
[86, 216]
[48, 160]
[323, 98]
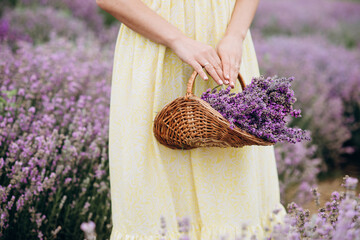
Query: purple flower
[261, 109]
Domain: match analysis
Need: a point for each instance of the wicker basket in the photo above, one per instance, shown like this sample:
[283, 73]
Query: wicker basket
[190, 122]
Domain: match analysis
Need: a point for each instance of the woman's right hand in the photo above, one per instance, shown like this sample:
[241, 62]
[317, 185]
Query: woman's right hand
[199, 55]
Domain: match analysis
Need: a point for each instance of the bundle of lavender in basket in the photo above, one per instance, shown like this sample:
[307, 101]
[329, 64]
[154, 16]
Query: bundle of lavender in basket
[262, 109]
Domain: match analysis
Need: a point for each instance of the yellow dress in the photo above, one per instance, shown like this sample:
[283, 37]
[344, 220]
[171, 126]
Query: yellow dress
[218, 189]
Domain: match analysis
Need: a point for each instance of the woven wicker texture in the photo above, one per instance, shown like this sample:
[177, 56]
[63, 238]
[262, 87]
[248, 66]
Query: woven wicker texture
[190, 122]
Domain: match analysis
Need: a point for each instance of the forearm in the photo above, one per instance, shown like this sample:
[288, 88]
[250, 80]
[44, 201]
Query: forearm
[140, 18]
[241, 18]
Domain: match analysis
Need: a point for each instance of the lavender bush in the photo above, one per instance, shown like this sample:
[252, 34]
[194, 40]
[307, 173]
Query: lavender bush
[10, 36]
[339, 218]
[336, 20]
[260, 109]
[38, 23]
[85, 10]
[297, 169]
[53, 139]
[37, 18]
[327, 93]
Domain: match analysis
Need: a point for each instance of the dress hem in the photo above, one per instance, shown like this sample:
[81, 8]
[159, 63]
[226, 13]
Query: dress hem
[208, 232]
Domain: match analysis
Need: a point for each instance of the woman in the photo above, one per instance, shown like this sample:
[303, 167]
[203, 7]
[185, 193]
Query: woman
[159, 45]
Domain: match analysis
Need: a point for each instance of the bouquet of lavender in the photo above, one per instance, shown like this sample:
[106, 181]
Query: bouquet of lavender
[261, 109]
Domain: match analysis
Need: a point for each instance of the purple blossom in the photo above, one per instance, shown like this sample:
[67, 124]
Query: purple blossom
[296, 165]
[39, 23]
[328, 106]
[261, 109]
[336, 20]
[53, 131]
[85, 10]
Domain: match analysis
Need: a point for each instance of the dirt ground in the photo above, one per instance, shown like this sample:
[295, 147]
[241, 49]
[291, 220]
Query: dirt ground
[325, 188]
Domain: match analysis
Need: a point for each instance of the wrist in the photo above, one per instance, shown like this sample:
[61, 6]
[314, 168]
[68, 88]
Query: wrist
[172, 40]
[239, 35]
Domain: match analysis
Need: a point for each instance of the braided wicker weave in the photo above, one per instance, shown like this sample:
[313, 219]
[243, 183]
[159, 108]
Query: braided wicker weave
[190, 122]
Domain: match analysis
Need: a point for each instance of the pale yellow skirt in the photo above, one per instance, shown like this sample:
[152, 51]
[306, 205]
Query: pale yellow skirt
[217, 188]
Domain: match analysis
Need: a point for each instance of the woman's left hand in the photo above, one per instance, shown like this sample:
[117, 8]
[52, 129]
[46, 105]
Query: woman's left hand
[229, 50]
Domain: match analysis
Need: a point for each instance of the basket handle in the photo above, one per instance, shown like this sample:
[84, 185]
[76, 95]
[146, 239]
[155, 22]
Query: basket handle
[192, 79]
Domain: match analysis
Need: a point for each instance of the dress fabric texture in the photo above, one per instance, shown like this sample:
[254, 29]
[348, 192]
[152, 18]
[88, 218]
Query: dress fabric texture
[217, 188]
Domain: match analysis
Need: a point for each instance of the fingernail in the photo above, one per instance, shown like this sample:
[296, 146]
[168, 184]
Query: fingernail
[206, 78]
[221, 82]
[226, 82]
[227, 76]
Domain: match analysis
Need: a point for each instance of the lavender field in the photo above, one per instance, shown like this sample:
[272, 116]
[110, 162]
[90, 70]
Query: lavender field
[55, 80]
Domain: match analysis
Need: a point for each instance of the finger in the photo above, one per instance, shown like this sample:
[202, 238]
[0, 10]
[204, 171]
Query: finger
[211, 70]
[207, 63]
[215, 66]
[232, 73]
[236, 72]
[198, 68]
[226, 68]
[211, 65]
[218, 67]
